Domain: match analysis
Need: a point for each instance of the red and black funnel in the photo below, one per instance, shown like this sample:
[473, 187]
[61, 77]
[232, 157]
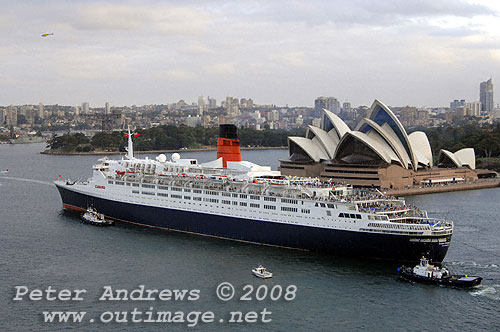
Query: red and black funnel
[228, 144]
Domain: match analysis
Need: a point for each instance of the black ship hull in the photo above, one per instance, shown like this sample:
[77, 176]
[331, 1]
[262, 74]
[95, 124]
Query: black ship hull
[403, 248]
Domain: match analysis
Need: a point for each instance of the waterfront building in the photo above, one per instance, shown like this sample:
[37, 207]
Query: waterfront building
[377, 153]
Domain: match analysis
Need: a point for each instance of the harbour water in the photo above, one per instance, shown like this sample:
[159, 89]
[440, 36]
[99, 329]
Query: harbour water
[41, 245]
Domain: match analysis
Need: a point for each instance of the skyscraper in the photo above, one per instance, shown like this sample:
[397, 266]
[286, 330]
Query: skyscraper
[85, 108]
[107, 109]
[11, 116]
[212, 103]
[486, 96]
[41, 113]
[328, 103]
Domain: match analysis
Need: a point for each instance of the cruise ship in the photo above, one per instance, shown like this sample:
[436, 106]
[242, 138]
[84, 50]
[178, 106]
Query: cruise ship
[238, 200]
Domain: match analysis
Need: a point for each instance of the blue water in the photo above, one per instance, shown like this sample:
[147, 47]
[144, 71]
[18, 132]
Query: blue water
[41, 246]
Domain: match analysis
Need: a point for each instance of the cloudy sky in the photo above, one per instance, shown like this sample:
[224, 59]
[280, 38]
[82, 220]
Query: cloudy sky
[421, 53]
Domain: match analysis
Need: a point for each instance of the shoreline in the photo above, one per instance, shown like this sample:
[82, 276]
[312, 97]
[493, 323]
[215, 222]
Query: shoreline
[445, 188]
[95, 153]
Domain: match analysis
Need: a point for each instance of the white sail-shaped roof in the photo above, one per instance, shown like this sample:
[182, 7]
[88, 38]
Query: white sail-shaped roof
[461, 158]
[379, 147]
[422, 148]
[312, 149]
[380, 137]
[328, 142]
[334, 125]
[467, 157]
[447, 155]
[381, 114]
[389, 136]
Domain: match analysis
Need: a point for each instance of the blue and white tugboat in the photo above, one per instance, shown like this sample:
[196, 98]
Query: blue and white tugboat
[431, 274]
[91, 216]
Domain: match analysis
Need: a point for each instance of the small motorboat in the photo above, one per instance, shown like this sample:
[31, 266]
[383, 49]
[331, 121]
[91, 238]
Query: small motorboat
[91, 216]
[431, 274]
[261, 272]
[5, 171]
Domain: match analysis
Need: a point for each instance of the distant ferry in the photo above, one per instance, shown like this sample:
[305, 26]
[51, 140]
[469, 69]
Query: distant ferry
[239, 200]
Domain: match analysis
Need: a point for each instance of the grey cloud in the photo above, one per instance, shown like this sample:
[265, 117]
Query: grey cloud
[358, 12]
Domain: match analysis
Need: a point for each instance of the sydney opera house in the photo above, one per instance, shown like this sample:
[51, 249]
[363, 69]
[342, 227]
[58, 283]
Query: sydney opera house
[377, 153]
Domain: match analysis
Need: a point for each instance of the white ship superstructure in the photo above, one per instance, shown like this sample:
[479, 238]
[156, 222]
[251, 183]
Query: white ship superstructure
[253, 203]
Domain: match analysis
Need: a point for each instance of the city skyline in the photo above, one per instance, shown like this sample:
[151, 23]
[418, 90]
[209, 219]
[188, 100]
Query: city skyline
[424, 53]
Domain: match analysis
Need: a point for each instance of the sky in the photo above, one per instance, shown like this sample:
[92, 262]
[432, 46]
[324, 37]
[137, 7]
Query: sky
[419, 53]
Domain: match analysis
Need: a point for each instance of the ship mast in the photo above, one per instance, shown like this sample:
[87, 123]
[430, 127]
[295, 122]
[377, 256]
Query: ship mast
[130, 147]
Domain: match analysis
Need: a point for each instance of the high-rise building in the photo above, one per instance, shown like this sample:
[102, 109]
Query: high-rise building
[346, 105]
[107, 109]
[229, 103]
[41, 113]
[85, 108]
[457, 103]
[212, 103]
[201, 101]
[11, 116]
[274, 116]
[328, 103]
[243, 103]
[473, 108]
[202, 105]
[486, 96]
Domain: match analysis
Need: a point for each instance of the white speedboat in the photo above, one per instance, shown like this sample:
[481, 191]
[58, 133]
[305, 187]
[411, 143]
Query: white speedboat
[91, 216]
[261, 272]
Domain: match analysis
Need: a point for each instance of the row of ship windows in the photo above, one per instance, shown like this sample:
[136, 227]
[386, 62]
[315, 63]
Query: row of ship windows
[390, 231]
[412, 227]
[329, 205]
[377, 217]
[349, 215]
[210, 192]
[213, 200]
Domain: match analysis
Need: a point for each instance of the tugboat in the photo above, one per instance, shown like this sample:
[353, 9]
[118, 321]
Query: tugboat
[261, 272]
[431, 274]
[91, 216]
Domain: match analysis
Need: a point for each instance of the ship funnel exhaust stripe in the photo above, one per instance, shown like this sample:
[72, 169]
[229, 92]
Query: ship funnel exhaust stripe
[228, 144]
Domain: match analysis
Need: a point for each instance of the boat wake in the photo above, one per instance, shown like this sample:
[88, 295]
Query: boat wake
[472, 264]
[492, 292]
[27, 180]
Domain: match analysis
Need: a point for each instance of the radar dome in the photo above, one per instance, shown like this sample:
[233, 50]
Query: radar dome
[161, 158]
[176, 156]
